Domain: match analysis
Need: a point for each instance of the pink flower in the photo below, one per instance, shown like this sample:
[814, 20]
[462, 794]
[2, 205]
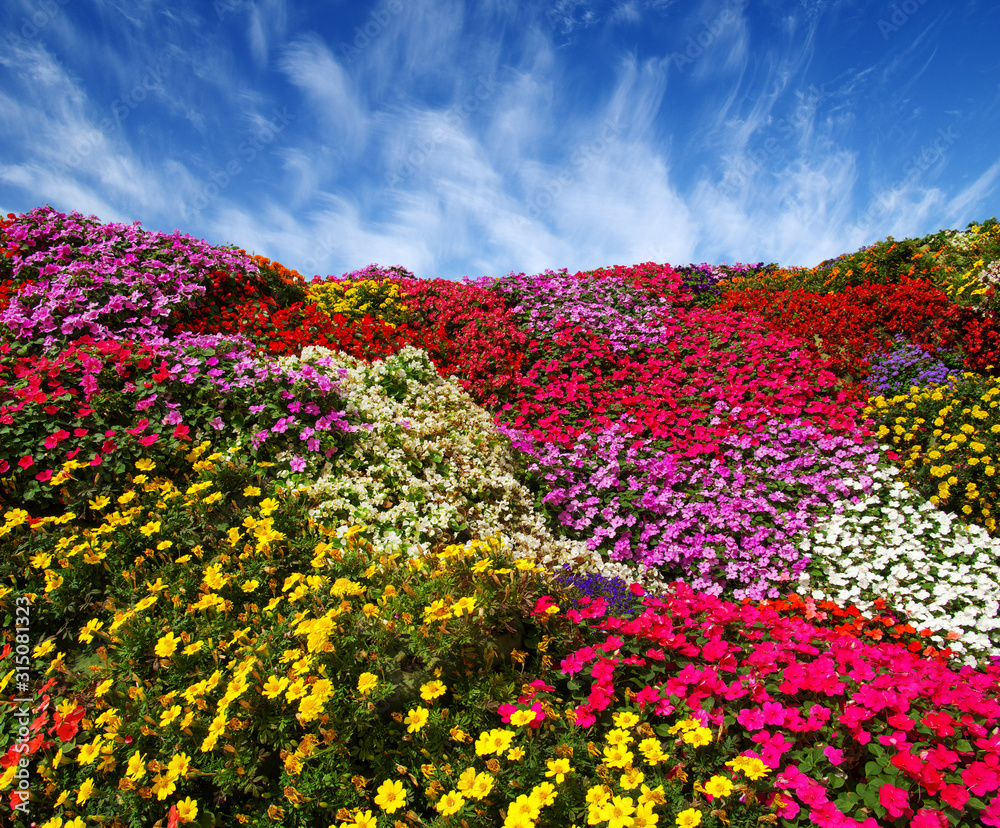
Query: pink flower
[980, 778]
[751, 718]
[648, 695]
[575, 662]
[941, 723]
[929, 818]
[584, 718]
[901, 721]
[44, 477]
[955, 795]
[835, 756]
[26, 461]
[894, 800]
[990, 815]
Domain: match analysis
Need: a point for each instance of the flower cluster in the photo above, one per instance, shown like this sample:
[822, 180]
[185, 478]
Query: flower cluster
[80, 277]
[949, 440]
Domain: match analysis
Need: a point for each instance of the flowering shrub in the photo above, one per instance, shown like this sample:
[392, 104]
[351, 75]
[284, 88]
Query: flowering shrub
[949, 447]
[941, 575]
[904, 366]
[443, 470]
[79, 417]
[848, 325]
[81, 277]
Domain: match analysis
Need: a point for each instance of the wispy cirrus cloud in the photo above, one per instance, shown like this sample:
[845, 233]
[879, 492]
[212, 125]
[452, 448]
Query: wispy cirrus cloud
[461, 138]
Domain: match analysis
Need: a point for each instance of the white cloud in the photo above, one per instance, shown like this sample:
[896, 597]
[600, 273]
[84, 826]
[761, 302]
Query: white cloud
[311, 67]
[967, 200]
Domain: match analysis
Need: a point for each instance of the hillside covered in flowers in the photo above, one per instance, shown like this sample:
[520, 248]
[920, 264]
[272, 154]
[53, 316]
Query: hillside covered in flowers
[648, 545]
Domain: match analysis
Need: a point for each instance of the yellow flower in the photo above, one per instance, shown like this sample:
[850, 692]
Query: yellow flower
[296, 690]
[163, 786]
[482, 786]
[698, 736]
[718, 786]
[44, 648]
[652, 751]
[652, 796]
[450, 803]
[625, 719]
[274, 686]
[522, 717]
[98, 503]
[166, 645]
[390, 796]
[523, 809]
[753, 767]
[366, 683]
[364, 819]
[310, 708]
[616, 736]
[432, 690]
[167, 716]
[89, 752]
[214, 578]
[689, 818]
[632, 779]
[437, 611]
[136, 767]
[616, 756]
[464, 606]
[268, 505]
[558, 768]
[86, 789]
[544, 793]
[150, 528]
[103, 687]
[495, 741]
[87, 633]
[180, 766]
[187, 810]
[416, 719]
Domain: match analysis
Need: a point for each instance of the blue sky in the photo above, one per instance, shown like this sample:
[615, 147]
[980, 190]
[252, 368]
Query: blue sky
[475, 138]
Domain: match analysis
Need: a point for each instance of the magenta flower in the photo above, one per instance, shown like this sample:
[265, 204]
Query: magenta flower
[835, 756]
[894, 800]
[980, 778]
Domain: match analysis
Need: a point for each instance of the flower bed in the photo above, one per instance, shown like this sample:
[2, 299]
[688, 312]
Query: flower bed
[542, 550]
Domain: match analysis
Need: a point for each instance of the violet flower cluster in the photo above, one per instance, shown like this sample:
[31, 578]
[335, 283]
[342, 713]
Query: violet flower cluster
[729, 522]
[904, 366]
[223, 376]
[80, 277]
[702, 280]
[725, 525]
